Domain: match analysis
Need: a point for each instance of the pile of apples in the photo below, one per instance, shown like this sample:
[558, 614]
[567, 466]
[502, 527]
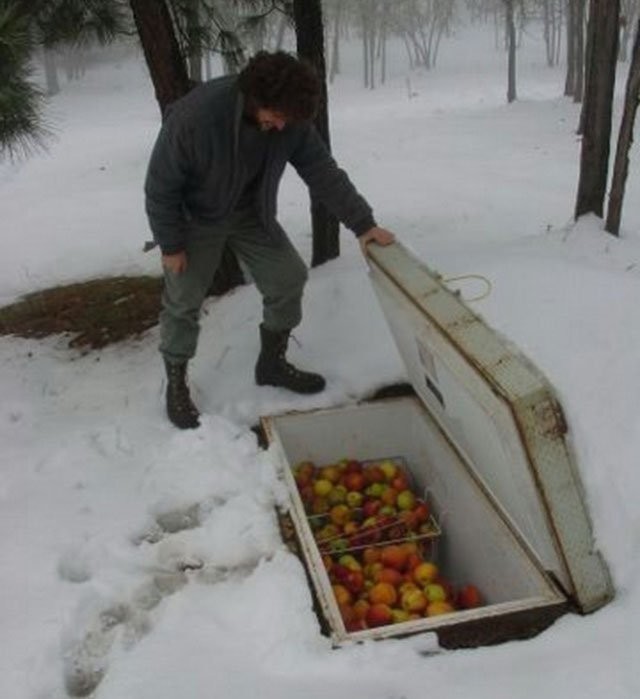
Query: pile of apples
[374, 534]
[351, 504]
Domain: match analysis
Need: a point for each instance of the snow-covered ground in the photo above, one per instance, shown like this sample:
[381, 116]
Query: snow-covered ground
[95, 484]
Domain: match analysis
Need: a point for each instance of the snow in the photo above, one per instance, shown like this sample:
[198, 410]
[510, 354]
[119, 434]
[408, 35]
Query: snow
[147, 561]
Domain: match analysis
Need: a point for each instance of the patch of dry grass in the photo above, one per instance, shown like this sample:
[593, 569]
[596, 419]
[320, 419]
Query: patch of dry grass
[95, 313]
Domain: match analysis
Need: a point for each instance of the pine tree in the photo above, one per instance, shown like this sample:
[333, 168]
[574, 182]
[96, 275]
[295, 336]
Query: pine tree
[21, 124]
[25, 24]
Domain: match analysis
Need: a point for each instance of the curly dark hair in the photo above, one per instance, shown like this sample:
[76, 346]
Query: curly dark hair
[281, 82]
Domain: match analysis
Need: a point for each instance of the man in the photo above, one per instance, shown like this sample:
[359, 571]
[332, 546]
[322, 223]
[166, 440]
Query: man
[212, 180]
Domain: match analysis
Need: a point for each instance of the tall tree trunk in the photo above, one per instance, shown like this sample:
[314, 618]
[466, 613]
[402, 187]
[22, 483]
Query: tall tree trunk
[365, 46]
[598, 104]
[169, 77]
[570, 80]
[559, 32]
[407, 45]
[548, 29]
[194, 43]
[161, 50]
[50, 71]
[383, 43]
[578, 92]
[511, 44]
[310, 45]
[625, 139]
[335, 44]
[282, 26]
[372, 50]
[626, 25]
[588, 49]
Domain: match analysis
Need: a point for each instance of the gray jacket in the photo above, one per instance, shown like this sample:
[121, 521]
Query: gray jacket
[195, 172]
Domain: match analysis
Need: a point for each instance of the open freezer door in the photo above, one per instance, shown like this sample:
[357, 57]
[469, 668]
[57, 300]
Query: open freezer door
[499, 412]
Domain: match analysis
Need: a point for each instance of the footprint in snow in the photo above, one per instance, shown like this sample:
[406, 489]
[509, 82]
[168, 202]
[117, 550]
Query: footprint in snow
[86, 656]
[176, 520]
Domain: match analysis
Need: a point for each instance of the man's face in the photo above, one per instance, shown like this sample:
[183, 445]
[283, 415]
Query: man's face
[268, 119]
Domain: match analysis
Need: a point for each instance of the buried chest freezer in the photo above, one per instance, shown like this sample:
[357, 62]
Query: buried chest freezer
[484, 446]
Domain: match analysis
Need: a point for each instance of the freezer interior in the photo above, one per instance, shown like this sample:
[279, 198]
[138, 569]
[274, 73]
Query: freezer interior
[476, 545]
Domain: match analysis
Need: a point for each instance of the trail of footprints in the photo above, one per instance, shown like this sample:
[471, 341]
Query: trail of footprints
[86, 659]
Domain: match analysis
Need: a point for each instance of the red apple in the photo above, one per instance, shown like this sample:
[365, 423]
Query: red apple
[342, 595]
[304, 472]
[374, 474]
[354, 480]
[394, 556]
[371, 555]
[370, 507]
[389, 575]
[339, 573]
[389, 497]
[421, 512]
[352, 466]
[469, 597]
[400, 483]
[379, 615]
[383, 592]
[354, 582]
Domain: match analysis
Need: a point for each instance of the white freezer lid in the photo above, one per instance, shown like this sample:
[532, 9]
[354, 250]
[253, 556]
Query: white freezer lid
[501, 414]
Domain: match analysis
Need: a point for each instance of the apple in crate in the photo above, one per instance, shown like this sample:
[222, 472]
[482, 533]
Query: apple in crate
[413, 600]
[406, 500]
[331, 473]
[383, 592]
[374, 474]
[389, 468]
[304, 473]
[394, 556]
[322, 487]
[437, 608]
[353, 481]
[435, 592]
[469, 597]
[379, 614]
[425, 573]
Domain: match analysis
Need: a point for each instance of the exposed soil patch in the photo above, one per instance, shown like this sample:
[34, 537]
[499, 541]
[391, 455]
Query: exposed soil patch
[95, 313]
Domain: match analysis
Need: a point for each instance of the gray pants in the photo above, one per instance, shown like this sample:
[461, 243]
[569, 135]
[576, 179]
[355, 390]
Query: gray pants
[278, 271]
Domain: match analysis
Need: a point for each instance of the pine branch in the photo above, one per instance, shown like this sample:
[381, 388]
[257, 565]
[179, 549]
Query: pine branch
[22, 128]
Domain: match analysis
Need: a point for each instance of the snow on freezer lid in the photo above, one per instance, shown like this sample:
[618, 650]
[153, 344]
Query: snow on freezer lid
[501, 414]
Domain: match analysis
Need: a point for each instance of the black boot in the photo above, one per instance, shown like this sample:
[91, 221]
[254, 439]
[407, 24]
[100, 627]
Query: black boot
[273, 369]
[180, 409]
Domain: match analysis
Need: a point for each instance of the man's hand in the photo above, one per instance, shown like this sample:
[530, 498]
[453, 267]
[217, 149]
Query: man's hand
[175, 263]
[377, 235]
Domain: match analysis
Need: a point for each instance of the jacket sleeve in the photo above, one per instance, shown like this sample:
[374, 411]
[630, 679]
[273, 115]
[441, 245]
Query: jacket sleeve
[164, 188]
[329, 183]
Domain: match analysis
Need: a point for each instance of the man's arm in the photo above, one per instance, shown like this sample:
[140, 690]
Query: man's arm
[329, 183]
[164, 188]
